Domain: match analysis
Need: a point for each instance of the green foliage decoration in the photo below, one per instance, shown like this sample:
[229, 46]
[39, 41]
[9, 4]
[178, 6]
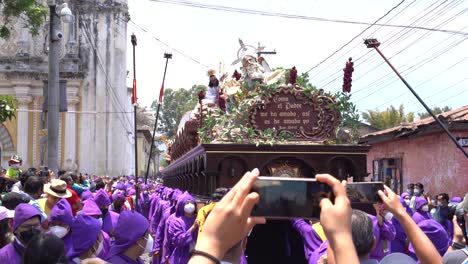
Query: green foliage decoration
[34, 13]
[234, 126]
[7, 108]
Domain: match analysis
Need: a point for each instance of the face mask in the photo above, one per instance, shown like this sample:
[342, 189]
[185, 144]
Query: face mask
[407, 202]
[409, 191]
[59, 231]
[189, 208]
[26, 236]
[149, 244]
[388, 216]
[417, 192]
[15, 166]
[100, 221]
[104, 211]
[433, 211]
[145, 192]
[425, 208]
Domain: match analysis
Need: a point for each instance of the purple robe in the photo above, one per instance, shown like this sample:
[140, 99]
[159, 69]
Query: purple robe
[319, 252]
[122, 259]
[11, 253]
[154, 202]
[144, 203]
[178, 237]
[157, 215]
[312, 240]
[385, 232]
[398, 244]
[160, 230]
[421, 216]
[436, 233]
[109, 222]
[106, 244]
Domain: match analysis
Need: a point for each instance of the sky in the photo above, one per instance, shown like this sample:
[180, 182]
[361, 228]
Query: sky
[434, 63]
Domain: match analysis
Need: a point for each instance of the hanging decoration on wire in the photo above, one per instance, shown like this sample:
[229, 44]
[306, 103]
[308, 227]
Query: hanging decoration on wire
[348, 76]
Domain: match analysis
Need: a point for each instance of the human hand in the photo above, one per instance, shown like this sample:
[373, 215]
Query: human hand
[457, 232]
[392, 202]
[230, 220]
[330, 213]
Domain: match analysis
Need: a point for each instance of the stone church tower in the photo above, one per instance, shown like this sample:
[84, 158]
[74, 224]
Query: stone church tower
[96, 131]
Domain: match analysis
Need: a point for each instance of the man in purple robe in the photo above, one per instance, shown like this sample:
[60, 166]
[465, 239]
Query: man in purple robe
[26, 224]
[422, 210]
[312, 240]
[91, 208]
[400, 244]
[165, 208]
[86, 239]
[132, 239]
[144, 201]
[181, 231]
[109, 218]
[436, 233]
[384, 233]
[60, 222]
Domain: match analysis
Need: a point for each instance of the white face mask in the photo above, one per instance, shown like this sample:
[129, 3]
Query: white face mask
[59, 231]
[189, 208]
[417, 192]
[388, 216]
[100, 221]
[149, 244]
[407, 202]
[425, 208]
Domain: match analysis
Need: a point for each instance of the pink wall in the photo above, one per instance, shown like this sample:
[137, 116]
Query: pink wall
[434, 160]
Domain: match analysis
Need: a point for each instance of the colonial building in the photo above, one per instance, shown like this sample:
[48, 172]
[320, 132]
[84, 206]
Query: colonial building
[421, 152]
[144, 140]
[96, 130]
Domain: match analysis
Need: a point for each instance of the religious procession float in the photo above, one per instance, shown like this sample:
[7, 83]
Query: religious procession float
[270, 119]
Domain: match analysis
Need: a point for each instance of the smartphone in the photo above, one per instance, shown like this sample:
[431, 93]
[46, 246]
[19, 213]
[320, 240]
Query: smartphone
[364, 192]
[287, 198]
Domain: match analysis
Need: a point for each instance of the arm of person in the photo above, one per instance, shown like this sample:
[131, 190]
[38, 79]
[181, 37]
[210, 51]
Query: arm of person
[387, 230]
[229, 221]
[180, 236]
[423, 247]
[458, 237]
[338, 232]
[311, 239]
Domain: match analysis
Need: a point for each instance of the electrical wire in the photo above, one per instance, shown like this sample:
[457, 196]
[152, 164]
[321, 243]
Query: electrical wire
[167, 45]
[282, 15]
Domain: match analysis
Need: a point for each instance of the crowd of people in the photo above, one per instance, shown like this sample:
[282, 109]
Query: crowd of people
[73, 218]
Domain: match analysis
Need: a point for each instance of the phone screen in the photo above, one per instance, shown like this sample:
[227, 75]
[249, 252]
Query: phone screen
[364, 192]
[283, 198]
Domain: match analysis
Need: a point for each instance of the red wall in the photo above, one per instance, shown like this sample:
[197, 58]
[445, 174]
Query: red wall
[433, 160]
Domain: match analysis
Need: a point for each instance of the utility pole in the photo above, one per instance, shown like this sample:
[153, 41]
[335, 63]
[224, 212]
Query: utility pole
[374, 43]
[53, 89]
[167, 56]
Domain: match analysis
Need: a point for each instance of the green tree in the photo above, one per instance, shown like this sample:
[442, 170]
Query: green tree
[390, 117]
[175, 104]
[32, 10]
[436, 110]
[7, 108]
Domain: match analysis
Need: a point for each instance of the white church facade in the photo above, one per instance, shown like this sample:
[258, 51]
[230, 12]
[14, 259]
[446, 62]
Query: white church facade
[96, 131]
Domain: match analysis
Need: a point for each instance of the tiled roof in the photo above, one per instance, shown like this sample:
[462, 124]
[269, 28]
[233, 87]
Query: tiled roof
[455, 115]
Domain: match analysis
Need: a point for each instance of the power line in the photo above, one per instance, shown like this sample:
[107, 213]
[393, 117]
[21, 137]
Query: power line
[397, 36]
[282, 15]
[358, 44]
[446, 99]
[426, 81]
[169, 46]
